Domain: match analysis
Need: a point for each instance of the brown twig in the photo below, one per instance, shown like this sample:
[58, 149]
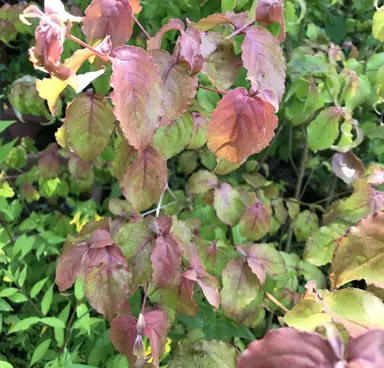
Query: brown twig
[276, 302]
[239, 30]
[141, 27]
[213, 90]
[81, 43]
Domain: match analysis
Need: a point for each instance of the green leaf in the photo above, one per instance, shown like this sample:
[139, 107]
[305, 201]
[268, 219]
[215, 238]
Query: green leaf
[228, 205]
[240, 287]
[356, 309]
[37, 287]
[5, 149]
[40, 351]
[79, 289]
[24, 324]
[302, 65]
[6, 191]
[201, 182]
[256, 221]
[378, 24]
[4, 306]
[47, 300]
[8, 292]
[311, 272]
[5, 365]
[321, 244]
[306, 315]
[205, 354]
[23, 275]
[171, 139]
[89, 122]
[53, 322]
[305, 224]
[131, 238]
[228, 5]
[323, 131]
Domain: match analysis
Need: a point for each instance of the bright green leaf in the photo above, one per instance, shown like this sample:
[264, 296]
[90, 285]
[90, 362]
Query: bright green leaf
[39, 352]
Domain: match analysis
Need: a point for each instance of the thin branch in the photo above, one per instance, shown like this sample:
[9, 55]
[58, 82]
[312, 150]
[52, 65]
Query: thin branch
[154, 210]
[241, 29]
[160, 200]
[81, 43]
[299, 183]
[276, 302]
[213, 90]
[141, 27]
[290, 148]
[3, 223]
[145, 297]
[313, 205]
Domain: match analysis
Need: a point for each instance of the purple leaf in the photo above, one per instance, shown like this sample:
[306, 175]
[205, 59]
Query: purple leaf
[288, 348]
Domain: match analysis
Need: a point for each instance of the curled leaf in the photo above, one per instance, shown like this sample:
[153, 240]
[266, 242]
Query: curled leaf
[347, 166]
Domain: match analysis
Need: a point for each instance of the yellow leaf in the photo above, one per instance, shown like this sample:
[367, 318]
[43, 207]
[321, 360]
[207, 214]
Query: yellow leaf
[50, 88]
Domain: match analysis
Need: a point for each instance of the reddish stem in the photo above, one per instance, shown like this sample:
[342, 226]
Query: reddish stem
[81, 43]
[213, 90]
[241, 29]
[141, 27]
[145, 297]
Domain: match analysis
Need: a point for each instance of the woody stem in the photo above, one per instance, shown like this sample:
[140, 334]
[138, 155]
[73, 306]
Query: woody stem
[141, 27]
[81, 43]
[276, 302]
[241, 29]
[145, 297]
[213, 90]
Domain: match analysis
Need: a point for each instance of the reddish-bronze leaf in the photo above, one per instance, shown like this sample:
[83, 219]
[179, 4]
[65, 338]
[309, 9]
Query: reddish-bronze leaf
[256, 221]
[288, 348]
[123, 335]
[126, 333]
[157, 328]
[178, 86]
[107, 279]
[154, 43]
[188, 49]
[136, 95]
[263, 58]
[263, 259]
[70, 265]
[108, 17]
[240, 287]
[271, 11]
[89, 122]
[145, 179]
[367, 350]
[49, 162]
[221, 65]
[241, 126]
[214, 20]
[166, 260]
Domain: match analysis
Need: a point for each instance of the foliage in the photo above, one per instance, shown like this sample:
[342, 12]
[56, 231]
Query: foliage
[215, 173]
